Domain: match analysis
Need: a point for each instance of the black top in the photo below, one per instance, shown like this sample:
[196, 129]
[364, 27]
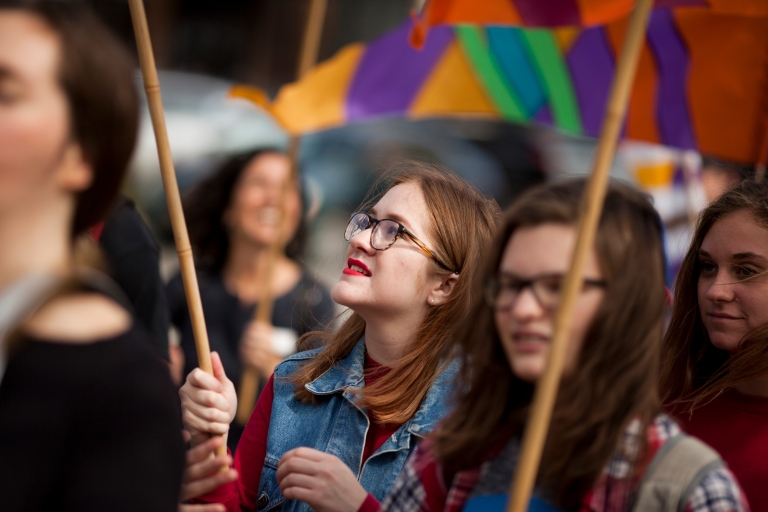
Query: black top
[133, 257]
[307, 307]
[92, 427]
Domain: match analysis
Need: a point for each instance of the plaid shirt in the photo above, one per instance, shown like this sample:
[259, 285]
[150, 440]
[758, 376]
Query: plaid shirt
[421, 488]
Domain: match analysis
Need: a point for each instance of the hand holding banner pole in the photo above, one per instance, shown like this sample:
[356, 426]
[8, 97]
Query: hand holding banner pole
[537, 427]
[183, 247]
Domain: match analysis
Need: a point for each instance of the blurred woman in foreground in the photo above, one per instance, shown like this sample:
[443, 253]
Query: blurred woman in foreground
[233, 222]
[88, 416]
[715, 373]
[608, 424]
[335, 425]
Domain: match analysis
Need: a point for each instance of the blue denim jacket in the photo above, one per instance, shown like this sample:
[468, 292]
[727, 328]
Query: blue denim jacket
[338, 426]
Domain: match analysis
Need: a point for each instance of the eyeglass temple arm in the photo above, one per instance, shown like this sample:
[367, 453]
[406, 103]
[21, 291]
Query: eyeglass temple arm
[428, 251]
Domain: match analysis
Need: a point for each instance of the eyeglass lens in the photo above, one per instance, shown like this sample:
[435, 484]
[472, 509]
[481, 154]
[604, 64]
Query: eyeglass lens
[502, 294]
[383, 235]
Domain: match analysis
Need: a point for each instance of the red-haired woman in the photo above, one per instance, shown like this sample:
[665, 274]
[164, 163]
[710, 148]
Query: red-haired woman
[89, 419]
[335, 425]
[715, 372]
[608, 426]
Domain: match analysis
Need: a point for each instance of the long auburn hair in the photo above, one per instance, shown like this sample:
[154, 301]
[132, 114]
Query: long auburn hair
[204, 208]
[616, 376]
[693, 370]
[462, 222]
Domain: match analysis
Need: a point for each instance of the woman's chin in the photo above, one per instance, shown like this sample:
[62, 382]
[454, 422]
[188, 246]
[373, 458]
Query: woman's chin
[342, 295]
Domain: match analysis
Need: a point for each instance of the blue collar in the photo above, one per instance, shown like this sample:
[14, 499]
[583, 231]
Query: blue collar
[349, 374]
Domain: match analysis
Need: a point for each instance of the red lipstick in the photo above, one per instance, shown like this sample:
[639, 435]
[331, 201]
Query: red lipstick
[360, 269]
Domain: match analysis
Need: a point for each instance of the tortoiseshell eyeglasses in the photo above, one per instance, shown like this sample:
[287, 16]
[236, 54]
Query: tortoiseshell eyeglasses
[384, 233]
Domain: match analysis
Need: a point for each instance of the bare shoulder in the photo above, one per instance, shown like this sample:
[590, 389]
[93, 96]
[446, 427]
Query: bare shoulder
[78, 319]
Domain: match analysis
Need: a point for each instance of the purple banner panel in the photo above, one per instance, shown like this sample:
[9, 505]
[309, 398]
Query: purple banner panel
[544, 116]
[551, 13]
[391, 72]
[671, 55]
[592, 65]
[660, 4]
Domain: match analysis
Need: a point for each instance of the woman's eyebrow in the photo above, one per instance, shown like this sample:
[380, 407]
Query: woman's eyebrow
[394, 216]
[6, 73]
[398, 218]
[748, 256]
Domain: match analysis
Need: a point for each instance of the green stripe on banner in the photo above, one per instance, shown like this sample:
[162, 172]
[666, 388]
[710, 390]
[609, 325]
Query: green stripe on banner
[555, 77]
[500, 91]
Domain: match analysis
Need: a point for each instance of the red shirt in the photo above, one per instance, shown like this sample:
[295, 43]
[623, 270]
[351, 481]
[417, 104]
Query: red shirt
[252, 449]
[736, 425]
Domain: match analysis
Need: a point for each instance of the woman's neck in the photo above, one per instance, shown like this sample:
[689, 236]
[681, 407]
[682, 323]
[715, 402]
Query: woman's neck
[247, 267]
[388, 339]
[35, 240]
[756, 387]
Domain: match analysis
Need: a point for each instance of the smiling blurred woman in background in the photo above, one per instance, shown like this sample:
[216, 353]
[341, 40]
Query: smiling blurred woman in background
[233, 220]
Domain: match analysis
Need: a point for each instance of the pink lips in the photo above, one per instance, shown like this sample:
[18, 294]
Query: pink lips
[351, 262]
[526, 342]
[722, 317]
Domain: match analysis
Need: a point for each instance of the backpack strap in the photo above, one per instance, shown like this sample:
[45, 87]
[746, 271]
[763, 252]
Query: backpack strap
[675, 471]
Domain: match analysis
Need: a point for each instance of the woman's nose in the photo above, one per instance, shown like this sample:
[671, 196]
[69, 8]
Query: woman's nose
[362, 241]
[720, 289]
[525, 306]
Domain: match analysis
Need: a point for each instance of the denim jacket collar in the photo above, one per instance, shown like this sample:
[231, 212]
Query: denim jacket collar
[349, 374]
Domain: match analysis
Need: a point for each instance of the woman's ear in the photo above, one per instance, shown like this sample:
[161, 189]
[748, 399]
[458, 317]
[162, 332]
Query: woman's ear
[440, 293]
[74, 174]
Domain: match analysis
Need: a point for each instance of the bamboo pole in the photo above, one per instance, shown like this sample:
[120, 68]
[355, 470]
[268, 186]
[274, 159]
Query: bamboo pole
[249, 381]
[591, 207]
[171, 186]
[313, 33]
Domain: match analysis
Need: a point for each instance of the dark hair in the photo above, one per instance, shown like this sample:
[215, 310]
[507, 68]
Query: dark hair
[615, 379]
[694, 370]
[96, 74]
[204, 208]
[462, 222]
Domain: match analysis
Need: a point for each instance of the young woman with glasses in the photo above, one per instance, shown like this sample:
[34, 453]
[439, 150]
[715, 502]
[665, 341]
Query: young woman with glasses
[608, 421]
[715, 371]
[335, 425]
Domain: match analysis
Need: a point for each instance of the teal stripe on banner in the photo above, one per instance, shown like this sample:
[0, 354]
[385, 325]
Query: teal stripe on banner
[509, 49]
[555, 77]
[488, 71]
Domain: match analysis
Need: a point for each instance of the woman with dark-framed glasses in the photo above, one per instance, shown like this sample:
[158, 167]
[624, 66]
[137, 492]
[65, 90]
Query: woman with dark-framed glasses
[334, 426]
[608, 423]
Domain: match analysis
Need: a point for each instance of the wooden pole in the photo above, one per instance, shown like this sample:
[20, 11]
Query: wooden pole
[313, 33]
[183, 247]
[537, 427]
[249, 382]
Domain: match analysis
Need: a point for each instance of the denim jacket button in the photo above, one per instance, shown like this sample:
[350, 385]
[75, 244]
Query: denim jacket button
[263, 500]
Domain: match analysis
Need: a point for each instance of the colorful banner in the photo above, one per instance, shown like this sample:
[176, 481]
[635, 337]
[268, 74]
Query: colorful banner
[702, 81]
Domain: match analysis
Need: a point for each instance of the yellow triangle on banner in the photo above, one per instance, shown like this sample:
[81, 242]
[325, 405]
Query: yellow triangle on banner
[452, 89]
[317, 101]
